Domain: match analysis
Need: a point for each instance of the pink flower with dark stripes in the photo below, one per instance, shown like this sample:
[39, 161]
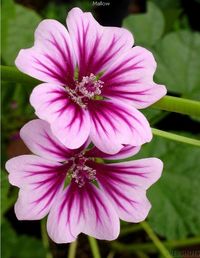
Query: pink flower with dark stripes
[80, 193]
[95, 80]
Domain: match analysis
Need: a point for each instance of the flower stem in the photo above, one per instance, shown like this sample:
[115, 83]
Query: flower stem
[168, 103]
[175, 137]
[11, 74]
[151, 248]
[94, 247]
[72, 249]
[178, 105]
[45, 238]
[130, 229]
[161, 247]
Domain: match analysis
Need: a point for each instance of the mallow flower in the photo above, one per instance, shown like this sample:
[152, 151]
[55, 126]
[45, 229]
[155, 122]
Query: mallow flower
[77, 191]
[94, 82]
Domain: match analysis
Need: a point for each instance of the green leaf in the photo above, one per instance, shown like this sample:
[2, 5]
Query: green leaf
[178, 63]
[147, 28]
[7, 200]
[14, 246]
[8, 240]
[175, 197]
[4, 191]
[18, 33]
[30, 245]
[167, 4]
[153, 115]
[59, 11]
[8, 10]
[15, 108]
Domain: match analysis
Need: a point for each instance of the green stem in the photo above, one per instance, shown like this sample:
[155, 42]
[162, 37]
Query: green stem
[175, 137]
[45, 238]
[111, 254]
[142, 255]
[168, 103]
[72, 249]
[130, 229]
[11, 74]
[161, 247]
[151, 248]
[94, 247]
[157, 118]
[178, 105]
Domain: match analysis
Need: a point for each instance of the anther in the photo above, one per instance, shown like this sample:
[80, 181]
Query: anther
[87, 89]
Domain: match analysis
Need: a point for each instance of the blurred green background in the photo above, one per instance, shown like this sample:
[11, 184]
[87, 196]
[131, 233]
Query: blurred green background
[170, 29]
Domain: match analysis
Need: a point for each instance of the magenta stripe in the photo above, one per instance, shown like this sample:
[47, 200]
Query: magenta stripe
[82, 50]
[63, 109]
[50, 194]
[118, 196]
[67, 60]
[48, 71]
[95, 199]
[97, 112]
[97, 121]
[53, 193]
[60, 68]
[120, 68]
[115, 196]
[108, 54]
[92, 57]
[58, 149]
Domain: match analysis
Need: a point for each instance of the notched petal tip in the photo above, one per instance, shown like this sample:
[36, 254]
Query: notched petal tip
[157, 168]
[162, 91]
[8, 165]
[144, 212]
[82, 210]
[12, 178]
[75, 11]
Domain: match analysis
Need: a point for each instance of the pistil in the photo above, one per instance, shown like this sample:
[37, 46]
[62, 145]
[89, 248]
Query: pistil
[85, 90]
[80, 172]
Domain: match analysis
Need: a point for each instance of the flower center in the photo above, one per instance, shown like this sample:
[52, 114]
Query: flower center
[80, 172]
[87, 89]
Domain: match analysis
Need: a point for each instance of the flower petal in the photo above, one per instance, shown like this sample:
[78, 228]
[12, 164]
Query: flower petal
[130, 79]
[38, 137]
[84, 210]
[115, 124]
[39, 180]
[69, 122]
[125, 185]
[51, 59]
[96, 47]
[126, 152]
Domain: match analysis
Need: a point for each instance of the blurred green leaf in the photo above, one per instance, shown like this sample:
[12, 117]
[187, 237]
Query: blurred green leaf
[7, 92]
[175, 197]
[30, 247]
[8, 10]
[173, 18]
[55, 11]
[16, 109]
[8, 239]
[167, 4]
[153, 115]
[7, 200]
[147, 28]
[15, 92]
[59, 12]
[19, 24]
[178, 63]
[15, 246]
